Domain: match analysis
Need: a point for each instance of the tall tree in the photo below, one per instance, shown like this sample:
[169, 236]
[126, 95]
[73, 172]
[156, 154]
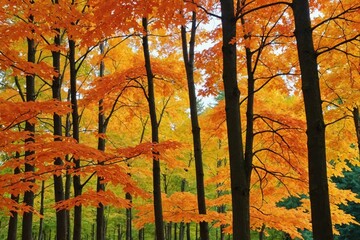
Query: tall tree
[30, 127]
[188, 55]
[318, 182]
[159, 224]
[75, 125]
[61, 226]
[100, 217]
[239, 170]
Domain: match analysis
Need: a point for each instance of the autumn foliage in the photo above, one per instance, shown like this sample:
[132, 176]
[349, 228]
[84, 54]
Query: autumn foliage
[268, 76]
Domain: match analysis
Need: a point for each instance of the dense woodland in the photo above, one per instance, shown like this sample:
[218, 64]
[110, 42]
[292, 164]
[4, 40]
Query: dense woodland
[179, 119]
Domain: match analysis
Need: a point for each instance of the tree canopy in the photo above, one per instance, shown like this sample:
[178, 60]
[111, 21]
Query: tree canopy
[174, 118]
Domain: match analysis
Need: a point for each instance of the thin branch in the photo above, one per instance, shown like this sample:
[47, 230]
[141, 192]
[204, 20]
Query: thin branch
[163, 110]
[205, 10]
[337, 120]
[327, 49]
[19, 88]
[261, 7]
[349, 10]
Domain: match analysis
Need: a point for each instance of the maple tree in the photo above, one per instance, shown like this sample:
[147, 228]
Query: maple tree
[52, 60]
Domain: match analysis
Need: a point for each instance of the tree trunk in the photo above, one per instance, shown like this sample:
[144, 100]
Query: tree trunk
[188, 232]
[221, 208]
[67, 176]
[128, 218]
[75, 124]
[175, 231]
[249, 137]
[188, 56]
[41, 224]
[356, 117]
[142, 234]
[318, 183]
[67, 212]
[29, 167]
[159, 225]
[168, 230]
[12, 229]
[182, 224]
[238, 168]
[182, 231]
[261, 233]
[100, 218]
[61, 227]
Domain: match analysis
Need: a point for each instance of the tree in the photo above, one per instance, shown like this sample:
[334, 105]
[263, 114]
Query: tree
[30, 127]
[100, 218]
[61, 226]
[239, 170]
[188, 55]
[75, 133]
[154, 136]
[269, 166]
[318, 183]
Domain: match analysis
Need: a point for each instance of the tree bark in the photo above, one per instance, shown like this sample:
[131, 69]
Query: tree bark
[100, 217]
[29, 167]
[75, 124]
[188, 56]
[182, 224]
[239, 171]
[318, 182]
[221, 208]
[188, 232]
[175, 231]
[356, 117]
[41, 224]
[12, 229]
[159, 224]
[128, 218]
[67, 176]
[142, 234]
[61, 227]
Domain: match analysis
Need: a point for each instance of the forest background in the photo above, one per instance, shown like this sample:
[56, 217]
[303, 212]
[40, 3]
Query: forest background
[107, 133]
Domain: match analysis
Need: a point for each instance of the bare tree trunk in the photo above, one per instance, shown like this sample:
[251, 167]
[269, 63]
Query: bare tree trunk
[67, 212]
[75, 124]
[318, 183]
[239, 169]
[100, 218]
[67, 177]
[188, 231]
[142, 234]
[182, 224]
[128, 218]
[159, 224]
[182, 231]
[356, 117]
[61, 227]
[188, 56]
[12, 229]
[41, 224]
[29, 167]
[220, 209]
